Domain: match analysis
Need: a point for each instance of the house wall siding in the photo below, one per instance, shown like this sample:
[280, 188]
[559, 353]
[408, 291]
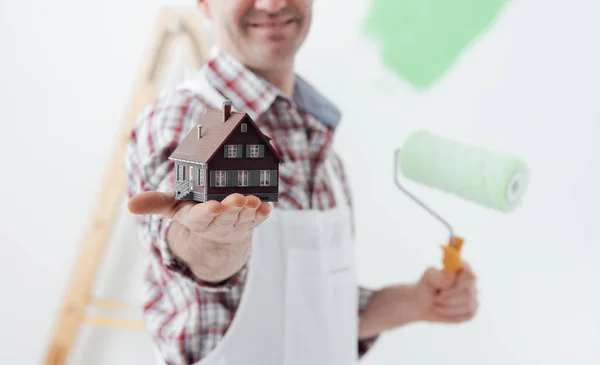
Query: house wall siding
[267, 162]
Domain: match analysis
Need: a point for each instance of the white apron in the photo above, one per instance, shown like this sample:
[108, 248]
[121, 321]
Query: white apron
[300, 302]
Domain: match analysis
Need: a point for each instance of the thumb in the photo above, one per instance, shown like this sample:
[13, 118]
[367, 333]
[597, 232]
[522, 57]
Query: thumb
[153, 202]
[437, 279]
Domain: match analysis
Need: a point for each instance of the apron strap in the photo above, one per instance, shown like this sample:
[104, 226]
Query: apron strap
[336, 182]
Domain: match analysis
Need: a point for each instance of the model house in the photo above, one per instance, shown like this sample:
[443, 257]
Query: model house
[226, 153]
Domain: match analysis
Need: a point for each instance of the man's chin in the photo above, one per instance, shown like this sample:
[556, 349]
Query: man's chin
[274, 56]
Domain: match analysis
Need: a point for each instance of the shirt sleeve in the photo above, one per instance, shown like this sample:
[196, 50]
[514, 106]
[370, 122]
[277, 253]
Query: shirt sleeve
[156, 133]
[364, 297]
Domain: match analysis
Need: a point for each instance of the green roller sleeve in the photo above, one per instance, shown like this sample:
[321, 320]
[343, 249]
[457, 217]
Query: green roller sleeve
[494, 180]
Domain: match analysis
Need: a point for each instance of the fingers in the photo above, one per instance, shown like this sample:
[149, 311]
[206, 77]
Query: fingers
[262, 213]
[223, 224]
[246, 217]
[154, 202]
[461, 308]
[235, 214]
[437, 279]
[459, 286]
[458, 303]
[459, 318]
[465, 279]
[253, 214]
[443, 299]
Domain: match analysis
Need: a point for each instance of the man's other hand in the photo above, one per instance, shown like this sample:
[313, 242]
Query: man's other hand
[446, 297]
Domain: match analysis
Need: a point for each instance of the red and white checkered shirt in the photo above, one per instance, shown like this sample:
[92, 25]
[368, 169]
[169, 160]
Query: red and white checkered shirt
[186, 318]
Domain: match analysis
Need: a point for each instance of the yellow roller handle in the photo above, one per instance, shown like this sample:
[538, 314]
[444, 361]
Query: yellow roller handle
[452, 261]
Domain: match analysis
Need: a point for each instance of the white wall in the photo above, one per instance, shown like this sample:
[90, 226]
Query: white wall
[531, 84]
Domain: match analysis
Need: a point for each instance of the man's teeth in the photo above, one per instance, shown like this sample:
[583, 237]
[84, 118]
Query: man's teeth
[278, 24]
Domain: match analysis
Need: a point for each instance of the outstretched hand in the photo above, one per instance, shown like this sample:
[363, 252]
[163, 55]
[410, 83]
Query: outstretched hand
[232, 219]
[447, 297]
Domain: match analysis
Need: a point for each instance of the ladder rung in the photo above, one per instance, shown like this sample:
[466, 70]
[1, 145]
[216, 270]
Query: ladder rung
[104, 321]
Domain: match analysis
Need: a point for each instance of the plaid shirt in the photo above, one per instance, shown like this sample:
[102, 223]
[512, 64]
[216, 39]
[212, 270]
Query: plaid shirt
[186, 318]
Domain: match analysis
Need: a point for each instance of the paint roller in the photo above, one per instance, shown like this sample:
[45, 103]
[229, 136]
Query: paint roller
[487, 178]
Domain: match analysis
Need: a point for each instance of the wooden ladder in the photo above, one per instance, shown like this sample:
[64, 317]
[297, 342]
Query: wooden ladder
[170, 26]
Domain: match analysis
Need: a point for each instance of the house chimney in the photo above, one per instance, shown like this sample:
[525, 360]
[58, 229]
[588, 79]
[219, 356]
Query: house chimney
[226, 110]
[199, 131]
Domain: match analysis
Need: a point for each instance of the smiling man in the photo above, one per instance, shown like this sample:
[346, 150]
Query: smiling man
[243, 281]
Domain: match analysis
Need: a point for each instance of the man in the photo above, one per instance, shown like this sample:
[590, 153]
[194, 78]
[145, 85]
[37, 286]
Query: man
[248, 282]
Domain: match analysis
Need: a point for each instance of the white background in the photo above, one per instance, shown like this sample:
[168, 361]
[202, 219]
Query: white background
[530, 86]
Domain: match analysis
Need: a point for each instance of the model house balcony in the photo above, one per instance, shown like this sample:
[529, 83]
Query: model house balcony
[183, 189]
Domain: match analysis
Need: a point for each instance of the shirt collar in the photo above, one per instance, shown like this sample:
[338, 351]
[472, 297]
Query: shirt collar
[251, 93]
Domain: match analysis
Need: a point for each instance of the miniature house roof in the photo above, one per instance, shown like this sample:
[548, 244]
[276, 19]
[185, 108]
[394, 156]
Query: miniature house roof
[211, 132]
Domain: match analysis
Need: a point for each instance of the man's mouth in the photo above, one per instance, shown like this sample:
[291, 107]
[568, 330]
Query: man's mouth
[272, 23]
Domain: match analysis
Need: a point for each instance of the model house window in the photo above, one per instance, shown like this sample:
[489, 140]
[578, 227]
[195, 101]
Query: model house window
[180, 173]
[255, 150]
[242, 178]
[232, 151]
[244, 127]
[201, 177]
[265, 177]
[220, 178]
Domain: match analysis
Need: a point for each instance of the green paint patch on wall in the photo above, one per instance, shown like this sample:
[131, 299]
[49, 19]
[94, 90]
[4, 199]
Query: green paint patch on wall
[421, 39]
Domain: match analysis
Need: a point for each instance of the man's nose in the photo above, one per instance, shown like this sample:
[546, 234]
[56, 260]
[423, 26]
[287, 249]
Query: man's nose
[270, 6]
